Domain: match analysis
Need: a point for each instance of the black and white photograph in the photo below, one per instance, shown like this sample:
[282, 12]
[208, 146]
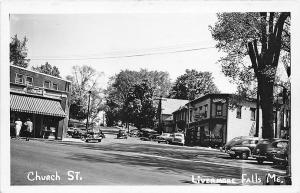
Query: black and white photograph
[188, 99]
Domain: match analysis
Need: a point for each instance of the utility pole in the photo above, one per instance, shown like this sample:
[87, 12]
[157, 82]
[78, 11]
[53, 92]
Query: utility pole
[88, 112]
[159, 111]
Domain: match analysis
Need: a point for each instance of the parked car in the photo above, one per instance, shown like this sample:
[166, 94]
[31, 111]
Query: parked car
[93, 137]
[148, 134]
[243, 148]
[267, 148]
[134, 133]
[122, 134]
[170, 138]
[76, 134]
[281, 157]
[178, 139]
[163, 137]
[231, 143]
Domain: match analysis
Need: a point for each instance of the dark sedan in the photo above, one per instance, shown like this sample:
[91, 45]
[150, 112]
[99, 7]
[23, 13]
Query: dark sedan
[267, 149]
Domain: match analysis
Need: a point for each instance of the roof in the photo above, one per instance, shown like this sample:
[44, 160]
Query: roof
[14, 66]
[170, 105]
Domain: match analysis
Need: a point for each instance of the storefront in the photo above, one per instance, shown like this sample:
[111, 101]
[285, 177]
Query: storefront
[46, 114]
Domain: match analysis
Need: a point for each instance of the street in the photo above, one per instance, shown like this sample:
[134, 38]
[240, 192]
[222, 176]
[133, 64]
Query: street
[126, 162]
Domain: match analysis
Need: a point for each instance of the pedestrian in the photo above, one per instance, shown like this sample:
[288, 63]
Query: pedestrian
[18, 126]
[29, 126]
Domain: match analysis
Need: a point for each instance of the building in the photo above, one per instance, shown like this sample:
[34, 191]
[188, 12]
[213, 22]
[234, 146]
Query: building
[43, 98]
[214, 119]
[166, 107]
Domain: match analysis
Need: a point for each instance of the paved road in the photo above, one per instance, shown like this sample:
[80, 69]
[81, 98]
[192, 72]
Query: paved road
[125, 162]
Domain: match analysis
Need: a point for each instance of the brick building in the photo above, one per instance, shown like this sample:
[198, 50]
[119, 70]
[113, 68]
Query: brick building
[43, 98]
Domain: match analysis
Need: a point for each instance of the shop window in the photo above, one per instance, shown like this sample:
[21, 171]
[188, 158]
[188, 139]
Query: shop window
[239, 112]
[47, 84]
[219, 109]
[19, 78]
[252, 114]
[54, 86]
[29, 81]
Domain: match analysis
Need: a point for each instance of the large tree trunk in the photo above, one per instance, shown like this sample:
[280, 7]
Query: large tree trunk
[266, 96]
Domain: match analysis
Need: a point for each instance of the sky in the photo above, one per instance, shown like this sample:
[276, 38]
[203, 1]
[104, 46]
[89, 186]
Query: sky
[111, 42]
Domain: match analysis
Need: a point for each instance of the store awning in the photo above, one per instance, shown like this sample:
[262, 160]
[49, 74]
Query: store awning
[34, 105]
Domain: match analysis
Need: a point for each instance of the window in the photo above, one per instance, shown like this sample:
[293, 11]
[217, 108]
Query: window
[219, 109]
[54, 86]
[19, 78]
[252, 114]
[191, 114]
[239, 112]
[47, 84]
[205, 110]
[29, 80]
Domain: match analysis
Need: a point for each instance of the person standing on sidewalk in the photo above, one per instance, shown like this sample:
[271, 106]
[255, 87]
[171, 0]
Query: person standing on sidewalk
[18, 126]
[29, 126]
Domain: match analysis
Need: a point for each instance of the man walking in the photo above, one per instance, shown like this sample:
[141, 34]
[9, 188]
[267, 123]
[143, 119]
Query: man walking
[29, 126]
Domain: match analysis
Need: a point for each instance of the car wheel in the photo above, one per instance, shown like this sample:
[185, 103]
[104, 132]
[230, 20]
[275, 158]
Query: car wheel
[260, 161]
[244, 155]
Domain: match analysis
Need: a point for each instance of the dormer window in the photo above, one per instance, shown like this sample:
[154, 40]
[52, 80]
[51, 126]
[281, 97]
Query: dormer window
[54, 86]
[47, 84]
[19, 78]
[29, 81]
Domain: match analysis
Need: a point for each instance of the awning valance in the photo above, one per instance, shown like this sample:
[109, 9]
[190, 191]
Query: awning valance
[34, 105]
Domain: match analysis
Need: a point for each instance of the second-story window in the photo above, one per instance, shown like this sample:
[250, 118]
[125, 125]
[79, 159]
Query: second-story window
[47, 84]
[29, 81]
[219, 109]
[55, 87]
[205, 111]
[19, 78]
[239, 112]
[252, 114]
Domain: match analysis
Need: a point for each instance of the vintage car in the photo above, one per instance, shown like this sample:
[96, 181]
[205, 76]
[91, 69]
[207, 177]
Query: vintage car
[92, 136]
[163, 137]
[243, 148]
[281, 157]
[225, 148]
[178, 139]
[122, 134]
[267, 148]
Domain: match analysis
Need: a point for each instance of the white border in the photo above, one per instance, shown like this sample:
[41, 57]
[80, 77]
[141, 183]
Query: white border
[67, 7]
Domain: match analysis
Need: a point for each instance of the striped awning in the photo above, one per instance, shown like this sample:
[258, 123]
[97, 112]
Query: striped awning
[34, 105]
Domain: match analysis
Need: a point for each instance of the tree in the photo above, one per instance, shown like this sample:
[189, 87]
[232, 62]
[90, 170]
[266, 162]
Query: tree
[47, 69]
[192, 85]
[244, 34]
[138, 108]
[85, 79]
[18, 52]
[122, 83]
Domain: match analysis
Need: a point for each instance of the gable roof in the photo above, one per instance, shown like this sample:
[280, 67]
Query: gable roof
[170, 105]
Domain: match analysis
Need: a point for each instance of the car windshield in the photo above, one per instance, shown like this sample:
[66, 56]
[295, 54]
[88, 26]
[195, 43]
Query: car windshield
[165, 134]
[178, 135]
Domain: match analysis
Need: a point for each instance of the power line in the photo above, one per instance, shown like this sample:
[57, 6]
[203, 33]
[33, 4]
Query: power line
[126, 56]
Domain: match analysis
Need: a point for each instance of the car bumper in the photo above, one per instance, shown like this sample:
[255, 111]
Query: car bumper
[260, 157]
